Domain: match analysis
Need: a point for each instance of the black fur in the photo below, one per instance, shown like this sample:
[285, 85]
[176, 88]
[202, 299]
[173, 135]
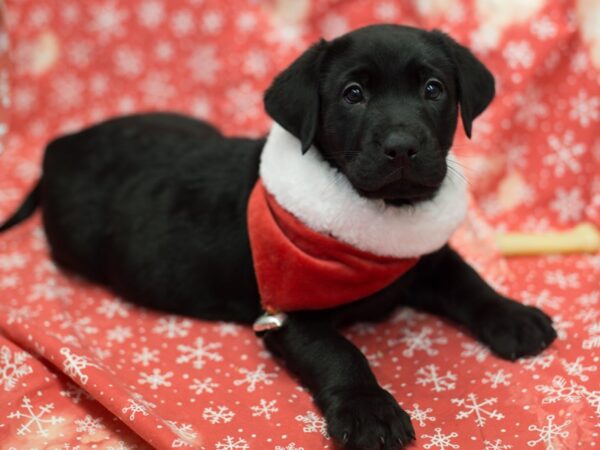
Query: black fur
[154, 206]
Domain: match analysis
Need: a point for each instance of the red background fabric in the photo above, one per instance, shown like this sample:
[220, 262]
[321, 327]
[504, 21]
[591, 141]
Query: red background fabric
[79, 367]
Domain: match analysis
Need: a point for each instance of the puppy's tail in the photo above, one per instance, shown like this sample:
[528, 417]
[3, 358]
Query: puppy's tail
[25, 210]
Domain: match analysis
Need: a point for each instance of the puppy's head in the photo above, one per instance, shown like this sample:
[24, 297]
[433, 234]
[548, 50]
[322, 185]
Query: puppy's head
[381, 105]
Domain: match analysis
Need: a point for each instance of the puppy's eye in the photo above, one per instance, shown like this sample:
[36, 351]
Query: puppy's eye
[353, 94]
[433, 89]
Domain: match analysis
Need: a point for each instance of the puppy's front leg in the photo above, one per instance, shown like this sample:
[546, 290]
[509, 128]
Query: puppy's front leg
[359, 413]
[446, 285]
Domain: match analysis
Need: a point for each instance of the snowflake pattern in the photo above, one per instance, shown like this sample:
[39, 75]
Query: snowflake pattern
[155, 379]
[74, 65]
[220, 414]
[12, 367]
[429, 375]
[264, 408]
[441, 441]
[478, 410]
[313, 423]
[199, 353]
[418, 341]
[231, 443]
[35, 419]
[252, 378]
[88, 425]
[549, 433]
[420, 415]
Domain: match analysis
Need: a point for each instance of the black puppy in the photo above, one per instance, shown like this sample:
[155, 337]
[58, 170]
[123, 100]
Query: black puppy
[155, 206]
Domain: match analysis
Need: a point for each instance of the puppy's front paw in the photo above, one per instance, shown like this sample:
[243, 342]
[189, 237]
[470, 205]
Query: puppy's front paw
[512, 330]
[366, 418]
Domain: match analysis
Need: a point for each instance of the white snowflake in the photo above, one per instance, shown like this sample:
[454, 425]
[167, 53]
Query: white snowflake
[204, 63]
[186, 435]
[543, 361]
[80, 53]
[222, 414]
[74, 365]
[255, 377]
[128, 62]
[439, 383]
[569, 204]
[584, 108]
[264, 408]
[560, 326]
[477, 409]
[246, 22]
[497, 378]
[12, 367]
[119, 334]
[157, 88]
[565, 154]
[80, 326]
[49, 289]
[151, 13]
[592, 397]
[313, 423]
[212, 22]
[290, 446]
[89, 425]
[560, 390]
[256, 63]
[74, 392]
[420, 415]
[171, 327]
[518, 54]
[108, 20]
[441, 441]
[121, 445]
[243, 102]
[137, 404]
[416, 341]
[228, 329]
[155, 379]
[577, 369]
[182, 23]
[14, 260]
[543, 28]
[231, 443]
[543, 299]
[549, 433]
[496, 445]
[145, 356]
[386, 11]
[34, 419]
[562, 280]
[333, 25]
[67, 92]
[163, 51]
[199, 353]
[201, 386]
[18, 315]
[475, 349]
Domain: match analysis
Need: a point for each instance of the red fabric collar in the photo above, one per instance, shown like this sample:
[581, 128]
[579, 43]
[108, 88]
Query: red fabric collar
[298, 268]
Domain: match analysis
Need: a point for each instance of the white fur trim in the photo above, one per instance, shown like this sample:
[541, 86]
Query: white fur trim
[324, 200]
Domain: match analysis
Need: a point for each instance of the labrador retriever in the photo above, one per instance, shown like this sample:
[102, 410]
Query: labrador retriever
[341, 215]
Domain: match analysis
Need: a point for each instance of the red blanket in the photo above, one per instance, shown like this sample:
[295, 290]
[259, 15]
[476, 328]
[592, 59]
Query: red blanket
[79, 367]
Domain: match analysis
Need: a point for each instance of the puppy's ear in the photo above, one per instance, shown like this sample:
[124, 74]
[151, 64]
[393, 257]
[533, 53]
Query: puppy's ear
[475, 82]
[293, 98]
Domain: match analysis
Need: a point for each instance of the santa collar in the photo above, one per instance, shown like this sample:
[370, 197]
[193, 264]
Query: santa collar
[312, 235]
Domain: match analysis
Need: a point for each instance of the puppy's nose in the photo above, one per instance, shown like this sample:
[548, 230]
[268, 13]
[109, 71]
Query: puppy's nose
[400, 146]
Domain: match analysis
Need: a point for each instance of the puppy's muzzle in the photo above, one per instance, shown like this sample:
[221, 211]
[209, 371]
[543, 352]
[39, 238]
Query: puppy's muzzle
[400, 147]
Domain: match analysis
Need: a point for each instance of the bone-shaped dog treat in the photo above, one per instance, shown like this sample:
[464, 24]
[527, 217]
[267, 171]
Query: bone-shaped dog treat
[584, 238]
